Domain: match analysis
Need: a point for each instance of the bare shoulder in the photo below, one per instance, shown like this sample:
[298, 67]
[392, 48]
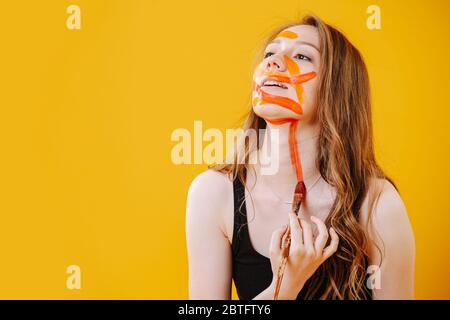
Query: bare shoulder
[389, 205]
[210, 186]
[209, 197]
[391, 228]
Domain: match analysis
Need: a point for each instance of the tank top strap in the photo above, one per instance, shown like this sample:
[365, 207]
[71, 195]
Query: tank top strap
[240, 213]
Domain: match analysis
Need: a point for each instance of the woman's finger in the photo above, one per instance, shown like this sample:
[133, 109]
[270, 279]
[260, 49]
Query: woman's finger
[307, 235]
[296, 232]
[322, 236]
[275, 241]
[332, 247]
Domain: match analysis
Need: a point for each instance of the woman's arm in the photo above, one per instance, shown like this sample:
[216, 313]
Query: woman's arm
[209, 250]
[266, 294]
[393, 234]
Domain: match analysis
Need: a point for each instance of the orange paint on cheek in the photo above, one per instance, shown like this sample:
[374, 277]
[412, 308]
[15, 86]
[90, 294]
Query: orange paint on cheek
[303, 77]
[292, 67]
[294, 70]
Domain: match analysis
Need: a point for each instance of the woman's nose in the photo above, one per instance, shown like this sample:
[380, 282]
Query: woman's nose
[275, 63]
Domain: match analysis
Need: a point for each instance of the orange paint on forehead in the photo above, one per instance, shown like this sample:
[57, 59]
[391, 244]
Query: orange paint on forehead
[287, 34]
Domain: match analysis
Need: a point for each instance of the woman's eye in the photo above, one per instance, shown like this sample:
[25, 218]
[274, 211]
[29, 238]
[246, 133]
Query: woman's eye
[268, 54]
[302, 57]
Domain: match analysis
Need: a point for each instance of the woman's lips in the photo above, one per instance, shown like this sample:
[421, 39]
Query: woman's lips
[274, 83]
[273, 87]
[284, 79]
[276, 90]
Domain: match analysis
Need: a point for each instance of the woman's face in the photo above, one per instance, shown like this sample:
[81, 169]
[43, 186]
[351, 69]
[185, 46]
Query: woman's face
[285, 81]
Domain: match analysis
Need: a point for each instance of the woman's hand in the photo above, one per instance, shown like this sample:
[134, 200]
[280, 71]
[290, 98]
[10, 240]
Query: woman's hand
[306, 253]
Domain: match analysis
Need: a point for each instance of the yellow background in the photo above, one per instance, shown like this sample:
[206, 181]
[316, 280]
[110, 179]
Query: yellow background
[86, 118]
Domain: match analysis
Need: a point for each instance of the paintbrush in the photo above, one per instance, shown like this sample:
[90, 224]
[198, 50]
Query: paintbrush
[299, 195]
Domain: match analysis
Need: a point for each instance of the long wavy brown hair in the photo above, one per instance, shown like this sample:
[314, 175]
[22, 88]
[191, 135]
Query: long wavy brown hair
[345, 160]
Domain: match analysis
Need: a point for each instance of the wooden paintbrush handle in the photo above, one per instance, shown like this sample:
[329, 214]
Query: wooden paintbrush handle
[280, 274]
[285, 245]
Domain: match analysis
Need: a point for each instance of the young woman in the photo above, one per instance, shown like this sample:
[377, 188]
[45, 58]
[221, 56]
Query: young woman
[352, 238]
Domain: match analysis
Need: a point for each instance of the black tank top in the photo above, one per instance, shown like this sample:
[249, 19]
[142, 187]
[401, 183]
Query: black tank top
[252, 272]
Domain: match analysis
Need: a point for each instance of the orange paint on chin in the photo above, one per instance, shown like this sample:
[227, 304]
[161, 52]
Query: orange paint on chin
[281, 101]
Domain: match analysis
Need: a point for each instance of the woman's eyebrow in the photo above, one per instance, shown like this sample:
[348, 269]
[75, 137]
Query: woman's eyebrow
[277, 41]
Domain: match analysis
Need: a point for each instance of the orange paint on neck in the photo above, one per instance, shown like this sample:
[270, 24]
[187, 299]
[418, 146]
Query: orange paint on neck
[280, 121]
[295, 158]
